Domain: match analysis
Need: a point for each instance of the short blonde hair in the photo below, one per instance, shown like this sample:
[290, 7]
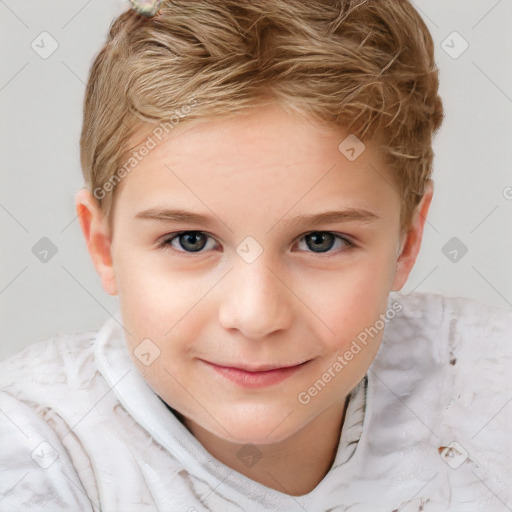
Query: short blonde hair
[364, 65]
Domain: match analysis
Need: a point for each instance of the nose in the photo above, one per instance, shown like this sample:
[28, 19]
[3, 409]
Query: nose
[255, 300]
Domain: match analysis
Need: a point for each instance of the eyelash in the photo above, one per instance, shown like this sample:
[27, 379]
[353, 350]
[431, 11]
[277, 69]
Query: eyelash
[166, 243]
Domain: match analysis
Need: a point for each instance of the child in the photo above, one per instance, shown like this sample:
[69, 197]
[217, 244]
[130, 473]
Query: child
[257, 371]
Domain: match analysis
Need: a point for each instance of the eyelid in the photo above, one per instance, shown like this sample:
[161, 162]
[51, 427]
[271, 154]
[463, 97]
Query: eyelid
[348, 238]
[331, 254]
[164, 242]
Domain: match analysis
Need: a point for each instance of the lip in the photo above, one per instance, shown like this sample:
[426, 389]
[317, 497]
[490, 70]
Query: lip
[262, 377]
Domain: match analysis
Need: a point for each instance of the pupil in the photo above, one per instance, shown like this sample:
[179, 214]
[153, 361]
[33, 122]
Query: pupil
[187, 237]
[318, 238]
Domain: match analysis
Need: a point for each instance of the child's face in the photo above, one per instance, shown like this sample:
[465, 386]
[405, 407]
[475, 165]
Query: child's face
[230, 305]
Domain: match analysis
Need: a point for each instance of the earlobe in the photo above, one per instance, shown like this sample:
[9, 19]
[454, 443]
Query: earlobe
[97, 238]
[411, 242]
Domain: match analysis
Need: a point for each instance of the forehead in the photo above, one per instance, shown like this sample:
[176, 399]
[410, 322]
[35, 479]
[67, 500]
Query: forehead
[266, 161]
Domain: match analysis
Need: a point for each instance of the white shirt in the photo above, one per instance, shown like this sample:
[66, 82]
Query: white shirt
[80, 429]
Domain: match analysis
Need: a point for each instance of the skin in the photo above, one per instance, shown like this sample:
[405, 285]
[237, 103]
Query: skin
[293, 303]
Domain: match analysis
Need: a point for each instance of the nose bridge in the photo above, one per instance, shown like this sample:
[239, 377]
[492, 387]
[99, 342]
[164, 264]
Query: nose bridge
[255, 300]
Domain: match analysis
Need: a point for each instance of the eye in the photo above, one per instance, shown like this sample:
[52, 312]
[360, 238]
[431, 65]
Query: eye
[324, 241]
[188, 241]
[194, 241]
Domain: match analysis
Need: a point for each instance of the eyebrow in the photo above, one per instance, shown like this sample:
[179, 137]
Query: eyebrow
[329, 217]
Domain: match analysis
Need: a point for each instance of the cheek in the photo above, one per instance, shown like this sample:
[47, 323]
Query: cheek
[164, 307]
[159, 303]
[351, 300]
[142, 301]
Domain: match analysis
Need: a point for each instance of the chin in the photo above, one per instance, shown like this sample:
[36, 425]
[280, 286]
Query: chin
[255, 431]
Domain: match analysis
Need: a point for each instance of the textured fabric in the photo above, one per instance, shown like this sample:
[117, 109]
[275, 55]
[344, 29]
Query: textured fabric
[427, 429]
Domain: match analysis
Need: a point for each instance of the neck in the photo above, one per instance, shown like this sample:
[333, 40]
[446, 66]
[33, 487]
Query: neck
[293, 466]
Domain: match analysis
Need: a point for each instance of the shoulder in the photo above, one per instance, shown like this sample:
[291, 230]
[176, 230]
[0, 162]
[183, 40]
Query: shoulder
[37, 472]
[58, 378]
[447, 357]
[440, 392]
[448, 329]
[57, 360]
[443, 373]
[43, 392]
[455, 341]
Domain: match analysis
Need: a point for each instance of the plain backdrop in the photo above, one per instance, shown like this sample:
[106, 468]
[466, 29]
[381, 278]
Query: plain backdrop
[467, 244]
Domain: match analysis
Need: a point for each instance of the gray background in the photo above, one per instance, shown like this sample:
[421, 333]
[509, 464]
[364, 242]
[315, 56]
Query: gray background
[41, 105]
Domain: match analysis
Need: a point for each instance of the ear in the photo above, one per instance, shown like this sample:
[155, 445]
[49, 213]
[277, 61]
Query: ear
[411, 241]
[97, 237]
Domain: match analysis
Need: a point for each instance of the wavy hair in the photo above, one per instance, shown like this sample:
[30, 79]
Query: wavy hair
[364, 65]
